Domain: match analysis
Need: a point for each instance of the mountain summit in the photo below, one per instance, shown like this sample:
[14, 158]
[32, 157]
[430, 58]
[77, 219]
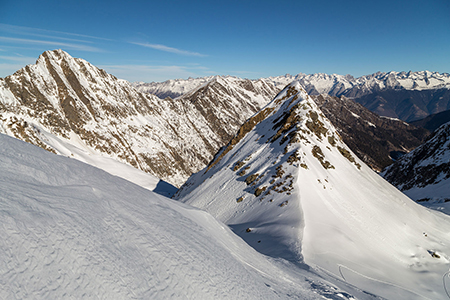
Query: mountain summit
[70, 107]
[289, 186]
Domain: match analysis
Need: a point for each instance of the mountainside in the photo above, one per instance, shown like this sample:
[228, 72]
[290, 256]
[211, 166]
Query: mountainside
[375, 140]
[72, 231]
[68, 106]
[433, 122]
[424, 174]
[288, 185]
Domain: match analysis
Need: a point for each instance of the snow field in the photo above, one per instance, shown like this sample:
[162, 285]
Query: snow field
[72, 231]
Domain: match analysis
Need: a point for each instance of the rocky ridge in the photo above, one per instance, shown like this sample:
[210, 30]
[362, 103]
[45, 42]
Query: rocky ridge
[63, 102]
[288, 185]
[424, 173]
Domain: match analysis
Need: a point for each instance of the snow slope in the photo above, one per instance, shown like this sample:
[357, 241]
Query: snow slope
[71, 231]
[289, 186]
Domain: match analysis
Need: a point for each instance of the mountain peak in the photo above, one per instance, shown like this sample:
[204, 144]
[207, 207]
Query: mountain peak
[289, 186]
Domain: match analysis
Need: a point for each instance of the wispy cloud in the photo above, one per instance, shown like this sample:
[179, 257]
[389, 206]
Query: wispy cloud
[69, 46]
[31, 31]
[19, 58]
[169, 49]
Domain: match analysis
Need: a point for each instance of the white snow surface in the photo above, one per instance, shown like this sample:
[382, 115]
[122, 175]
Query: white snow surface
[72, 231]
[173, 87]
[346, 221]
[318, 83]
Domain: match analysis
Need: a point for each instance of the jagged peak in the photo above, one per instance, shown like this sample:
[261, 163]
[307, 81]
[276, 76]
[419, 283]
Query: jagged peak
[56, 55]
[291, 117]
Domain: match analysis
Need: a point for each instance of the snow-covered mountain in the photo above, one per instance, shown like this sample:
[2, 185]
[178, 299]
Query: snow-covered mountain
[172, 88]
[424, 173]
[375, 140]
[347, 85]
[72, 231]
[405, 95]
[70, 107]
[289, 186]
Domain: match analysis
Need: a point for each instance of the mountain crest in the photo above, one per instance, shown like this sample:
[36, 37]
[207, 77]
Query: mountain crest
[68, 106]
[289, 186]
[287, 137]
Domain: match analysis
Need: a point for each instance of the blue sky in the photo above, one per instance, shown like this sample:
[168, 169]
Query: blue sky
[160, 40]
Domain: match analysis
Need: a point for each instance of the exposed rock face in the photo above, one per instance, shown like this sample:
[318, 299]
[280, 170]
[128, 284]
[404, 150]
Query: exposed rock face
[72, 101]
[424, 174]
[372, 138]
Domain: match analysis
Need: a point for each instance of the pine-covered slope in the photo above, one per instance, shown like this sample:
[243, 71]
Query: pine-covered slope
[289, 186]
[424, 173]
[72, 231]
[68, 106]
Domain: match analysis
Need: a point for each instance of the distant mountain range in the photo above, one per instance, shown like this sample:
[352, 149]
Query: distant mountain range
[70, 107]
[408, 96]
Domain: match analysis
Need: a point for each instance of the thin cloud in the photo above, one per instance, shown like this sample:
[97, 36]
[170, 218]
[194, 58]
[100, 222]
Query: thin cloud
[70, 46]
[169, 49]
[20, 58]
[41, 32]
